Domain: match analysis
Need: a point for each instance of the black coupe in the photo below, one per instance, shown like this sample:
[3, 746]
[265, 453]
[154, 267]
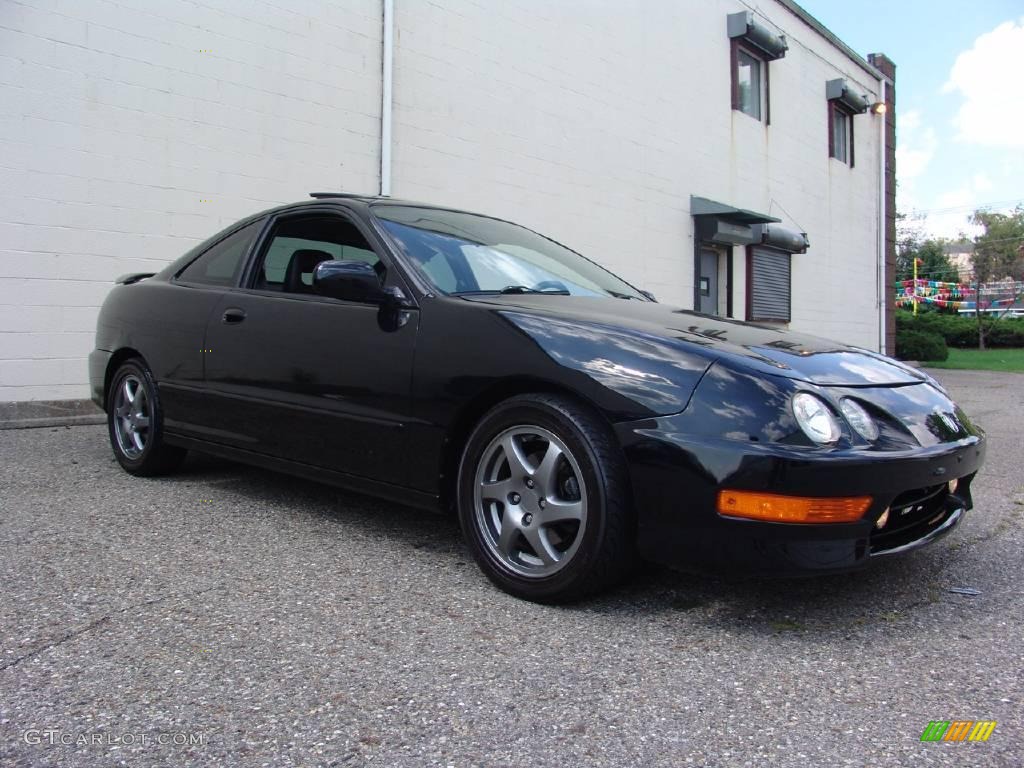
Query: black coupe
[452, 360]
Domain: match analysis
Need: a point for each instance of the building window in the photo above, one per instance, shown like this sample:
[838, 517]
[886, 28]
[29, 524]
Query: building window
[840, 144]
[843, 104]
[768, 284]
[750, 74]
[752, 47]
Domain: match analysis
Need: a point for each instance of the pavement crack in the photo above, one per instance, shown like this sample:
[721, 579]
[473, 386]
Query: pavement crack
[74, 633]
[59, 641]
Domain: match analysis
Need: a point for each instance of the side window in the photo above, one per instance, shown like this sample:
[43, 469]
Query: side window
[221, 263]
[298, 244]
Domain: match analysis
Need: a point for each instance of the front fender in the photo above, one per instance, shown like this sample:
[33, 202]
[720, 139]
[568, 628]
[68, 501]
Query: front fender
[658, 374]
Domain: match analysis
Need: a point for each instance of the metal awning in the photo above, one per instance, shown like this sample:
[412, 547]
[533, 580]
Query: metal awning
[701, 206]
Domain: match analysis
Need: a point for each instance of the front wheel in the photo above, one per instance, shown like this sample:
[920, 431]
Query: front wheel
[544, 501]
[135, 423]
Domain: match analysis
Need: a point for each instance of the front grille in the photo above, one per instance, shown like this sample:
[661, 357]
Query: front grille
[912, 515]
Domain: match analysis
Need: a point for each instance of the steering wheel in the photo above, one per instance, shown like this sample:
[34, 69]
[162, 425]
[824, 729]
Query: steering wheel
[554, 285]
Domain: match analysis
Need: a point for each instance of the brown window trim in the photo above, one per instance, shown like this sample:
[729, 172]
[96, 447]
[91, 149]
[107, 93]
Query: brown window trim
[831, 129]
[734, 72]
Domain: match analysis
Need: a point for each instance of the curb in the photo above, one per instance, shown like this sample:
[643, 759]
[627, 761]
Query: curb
[69, 421]
[50, 413]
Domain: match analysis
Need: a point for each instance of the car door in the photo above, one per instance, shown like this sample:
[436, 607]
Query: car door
[299, 376]
[171, 325]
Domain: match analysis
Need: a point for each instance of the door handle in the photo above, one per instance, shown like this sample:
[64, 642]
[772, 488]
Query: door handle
[234, 315]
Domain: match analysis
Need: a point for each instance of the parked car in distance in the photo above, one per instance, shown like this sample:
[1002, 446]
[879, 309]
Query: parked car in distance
[457, 361]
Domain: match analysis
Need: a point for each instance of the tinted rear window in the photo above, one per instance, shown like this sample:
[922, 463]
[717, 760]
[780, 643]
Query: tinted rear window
[221, 263]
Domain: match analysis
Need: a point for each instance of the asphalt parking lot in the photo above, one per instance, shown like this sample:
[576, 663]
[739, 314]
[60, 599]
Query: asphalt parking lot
[228, 616]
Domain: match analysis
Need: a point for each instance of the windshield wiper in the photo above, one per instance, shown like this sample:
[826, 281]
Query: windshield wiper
[528, 289]
[514, 289]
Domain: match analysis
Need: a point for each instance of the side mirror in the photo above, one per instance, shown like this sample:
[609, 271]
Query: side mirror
[350, 281]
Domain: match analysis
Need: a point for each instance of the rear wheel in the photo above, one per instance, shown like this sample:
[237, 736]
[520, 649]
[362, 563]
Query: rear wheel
[544, 501]
[135, 423]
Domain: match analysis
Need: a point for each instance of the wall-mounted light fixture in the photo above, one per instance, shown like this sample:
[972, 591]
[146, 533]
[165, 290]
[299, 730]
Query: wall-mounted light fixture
[879, 108]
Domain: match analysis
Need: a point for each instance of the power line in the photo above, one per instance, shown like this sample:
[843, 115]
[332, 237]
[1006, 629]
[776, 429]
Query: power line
[807, 49]
[975, 241]
[1002, 240]
[972, 207]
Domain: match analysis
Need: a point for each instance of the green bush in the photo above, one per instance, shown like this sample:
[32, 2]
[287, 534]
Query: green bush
[961, 331]
[1006, 333]
[920, 345]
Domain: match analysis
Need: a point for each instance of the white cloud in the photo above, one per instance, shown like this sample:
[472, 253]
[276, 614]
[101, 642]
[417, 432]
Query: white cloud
[909, 120]
[915, 146]
[957, 198]
[982, 183]
[988, 77]
[950, 216]
[950, 226]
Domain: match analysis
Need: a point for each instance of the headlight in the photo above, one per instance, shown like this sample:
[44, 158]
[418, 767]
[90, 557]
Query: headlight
[859, 419]
[814, 418]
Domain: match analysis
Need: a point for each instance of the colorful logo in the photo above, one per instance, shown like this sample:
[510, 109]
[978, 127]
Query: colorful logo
[958, 730]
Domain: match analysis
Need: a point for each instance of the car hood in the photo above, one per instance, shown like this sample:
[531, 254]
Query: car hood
[764, 348]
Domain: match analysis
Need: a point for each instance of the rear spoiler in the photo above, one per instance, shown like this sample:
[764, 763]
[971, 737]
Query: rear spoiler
[133, 277]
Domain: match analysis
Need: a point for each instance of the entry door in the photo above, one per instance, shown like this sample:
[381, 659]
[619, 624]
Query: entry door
[293, 374]
[708, 286]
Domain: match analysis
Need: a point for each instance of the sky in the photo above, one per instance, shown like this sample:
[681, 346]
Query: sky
[959, 99]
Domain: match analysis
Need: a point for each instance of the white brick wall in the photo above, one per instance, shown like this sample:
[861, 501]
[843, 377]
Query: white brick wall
[592, 121]
[595, 121]
[115, 125]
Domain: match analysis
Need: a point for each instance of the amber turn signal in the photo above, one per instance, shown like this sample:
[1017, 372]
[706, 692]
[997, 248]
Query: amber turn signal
[792, 509]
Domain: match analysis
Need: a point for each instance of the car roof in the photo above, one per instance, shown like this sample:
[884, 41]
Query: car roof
[319, 198]
[368, 199]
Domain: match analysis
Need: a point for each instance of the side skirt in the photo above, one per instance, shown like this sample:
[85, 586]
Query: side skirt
[396, 493]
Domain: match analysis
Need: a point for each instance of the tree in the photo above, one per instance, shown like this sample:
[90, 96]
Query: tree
[911, 244]
[998, 257]
[909, 235]
[934, 262]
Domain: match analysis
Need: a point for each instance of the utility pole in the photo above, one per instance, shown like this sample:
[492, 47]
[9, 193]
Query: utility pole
[916, 260]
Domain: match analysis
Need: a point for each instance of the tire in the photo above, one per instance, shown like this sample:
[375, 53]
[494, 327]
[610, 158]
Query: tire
[135, 423]
[562, 526]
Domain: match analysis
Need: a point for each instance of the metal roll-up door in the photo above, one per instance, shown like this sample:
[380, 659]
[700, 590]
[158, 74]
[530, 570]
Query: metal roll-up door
[769, 284]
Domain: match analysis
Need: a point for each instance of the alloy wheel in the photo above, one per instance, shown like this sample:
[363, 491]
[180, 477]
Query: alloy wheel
[530, 501]
[132, 416]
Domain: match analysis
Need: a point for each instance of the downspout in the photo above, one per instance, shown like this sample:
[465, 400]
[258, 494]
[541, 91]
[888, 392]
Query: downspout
[387, 83]
[882, 287]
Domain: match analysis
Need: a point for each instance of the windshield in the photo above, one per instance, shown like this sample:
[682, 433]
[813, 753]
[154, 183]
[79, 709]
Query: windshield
[466, 253]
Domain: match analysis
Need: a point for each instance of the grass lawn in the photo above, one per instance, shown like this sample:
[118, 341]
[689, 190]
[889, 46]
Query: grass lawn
[983, 360]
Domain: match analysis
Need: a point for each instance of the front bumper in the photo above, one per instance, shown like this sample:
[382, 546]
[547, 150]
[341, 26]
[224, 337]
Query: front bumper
[676, 479]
